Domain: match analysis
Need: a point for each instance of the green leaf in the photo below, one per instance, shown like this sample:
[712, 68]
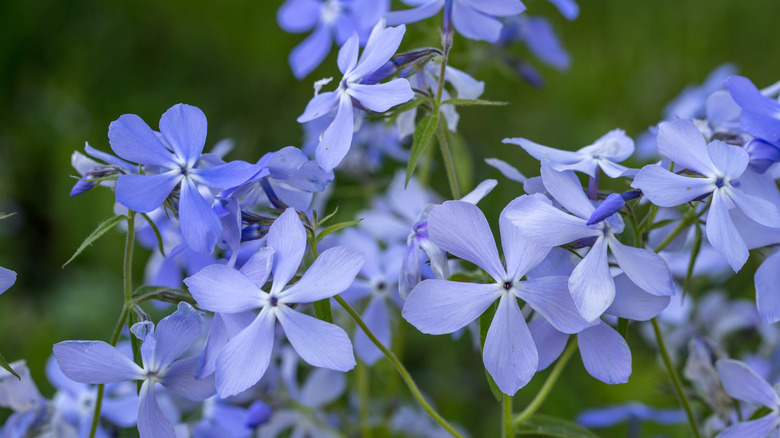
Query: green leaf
[484, 324]
[322, 310]
[423, 135]
[4, 364]
[544, 425]
[6, 215]
[156, 233]
[336, 227]
[99, 232]
[412, 104]
[474, 102]
[662, 223]
[326, 218]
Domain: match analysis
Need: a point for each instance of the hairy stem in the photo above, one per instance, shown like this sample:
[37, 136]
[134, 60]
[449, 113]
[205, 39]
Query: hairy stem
[548, 385]
[675, 379]
[407, 378]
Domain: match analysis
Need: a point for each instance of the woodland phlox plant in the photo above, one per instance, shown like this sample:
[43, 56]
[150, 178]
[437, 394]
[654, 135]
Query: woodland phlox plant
[284, 315]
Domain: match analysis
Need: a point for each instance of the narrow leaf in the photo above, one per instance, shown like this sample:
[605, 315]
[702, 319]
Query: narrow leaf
[4, 364]
[6, 215]
[322, 310]
[423, 135]
[326, 218]
[99, 232]
[474, 102]
[336, 227]
[544, 425]
[662, 223]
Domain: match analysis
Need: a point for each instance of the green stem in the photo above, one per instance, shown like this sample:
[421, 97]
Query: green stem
[686, 221]
[506, 421]
[675, 379]
[127, 270]
[407, 378]
[448, 164]
[548, 385]
[363, 393]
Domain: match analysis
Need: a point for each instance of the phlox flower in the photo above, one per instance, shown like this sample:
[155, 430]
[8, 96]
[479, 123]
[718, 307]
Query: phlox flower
[177, 157]
[591, 283]
[243, 360]
[441, 306]
[98, 362]
[721, 166]
[742, 383]
[760, 114]
[474, 19]
[335, 141]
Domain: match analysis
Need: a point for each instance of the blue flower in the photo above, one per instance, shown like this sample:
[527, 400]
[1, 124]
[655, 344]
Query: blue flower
[176, 156]
[98, 362]
[742, 383]
[760, 114]
[335, 141]
[243, 360]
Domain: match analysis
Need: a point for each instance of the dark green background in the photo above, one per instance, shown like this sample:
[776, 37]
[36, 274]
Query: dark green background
[69, 68]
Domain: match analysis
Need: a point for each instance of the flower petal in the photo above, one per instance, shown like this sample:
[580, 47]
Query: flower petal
[180, 377]
[7, 279]
[741, 382]
[521, 253]
[605, 354]
[681, 141]
[509, 354]
[200, 225]
[244, 359]
[506, 169]
[348, 54]
[762, 427]
[767, 299]
[426, 10]
[222, 289]
[461, 229]
[566, 189]
[722, 233]
[644, 267]
[319, 106]
[336, 140]
[151, 420]
[546, 225]
[473, 24]
[438, 306]
[175, 334]
[333, 272]
[146, 193]
[95, 362]
[631, 302]
[591, 283]
[377, 319]
[258, 267]
[497, 8]
[545, 153]
[731, 160]
[380, 47]
[550, 296]
[757, 208]
[226, 175]
[298, 15]
[319, 343]
[666, 189]
[184, 127]
[287, 238]
[382, 97]
[132, 139]
[549, 342]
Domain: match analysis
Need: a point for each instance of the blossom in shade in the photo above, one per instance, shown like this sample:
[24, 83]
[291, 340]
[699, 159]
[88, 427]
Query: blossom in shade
[337, 138]
[721, 165]
[441, 306]
[97, 362]
[742, 383]
[176, 155]
[243, 360]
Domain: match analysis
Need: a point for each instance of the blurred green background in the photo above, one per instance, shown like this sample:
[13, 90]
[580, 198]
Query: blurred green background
[67, 69]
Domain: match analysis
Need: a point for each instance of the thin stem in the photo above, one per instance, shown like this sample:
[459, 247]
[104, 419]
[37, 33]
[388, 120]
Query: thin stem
[407, 378]
[675, 379]
[127, 280]
[363, 390]
[448, 165]
[548, 385]
[506, 421]
[684, 223]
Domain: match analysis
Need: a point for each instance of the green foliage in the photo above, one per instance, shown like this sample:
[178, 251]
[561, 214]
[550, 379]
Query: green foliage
[101, 229]
[423, 135]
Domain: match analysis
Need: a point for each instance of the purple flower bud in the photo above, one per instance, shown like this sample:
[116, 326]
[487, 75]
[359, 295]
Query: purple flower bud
[762, 154]
[258, 414]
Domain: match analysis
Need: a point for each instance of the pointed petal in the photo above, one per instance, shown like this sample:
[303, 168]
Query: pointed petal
[258, 267]
[545, 153]
[180, 378]
[437, 306]
[335, 142]
[762, 427]
[591, 283]
[225, 176]
[497, 8]
[244, 359]
[631, 302]
[176, 333]
[566, 189]
[426, 10]
[681, 142]
[644, 267]
[756, 208]
[568, 8]
[378, 321]
[473, 24]
[605, 354]
[666, 189]
[222, 289]
[132, 139]
[95, 362]
[741, 382]
[146, 193]
[506, 169]
[521, 253]
[549, 342]
[310, 53]
[298, 15]
[546, 225]
[550, 296]
[382, 97]
[287, 238]
[319, 106]
[461, 229]
[319, 343]
[184, 128]
[722, 233]
[151, 420]
[731, 160]
[510, 353]
[379, 49]
[767, 299]
[200, 225]
[333, 272]
[7, 279]
[322, 387]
